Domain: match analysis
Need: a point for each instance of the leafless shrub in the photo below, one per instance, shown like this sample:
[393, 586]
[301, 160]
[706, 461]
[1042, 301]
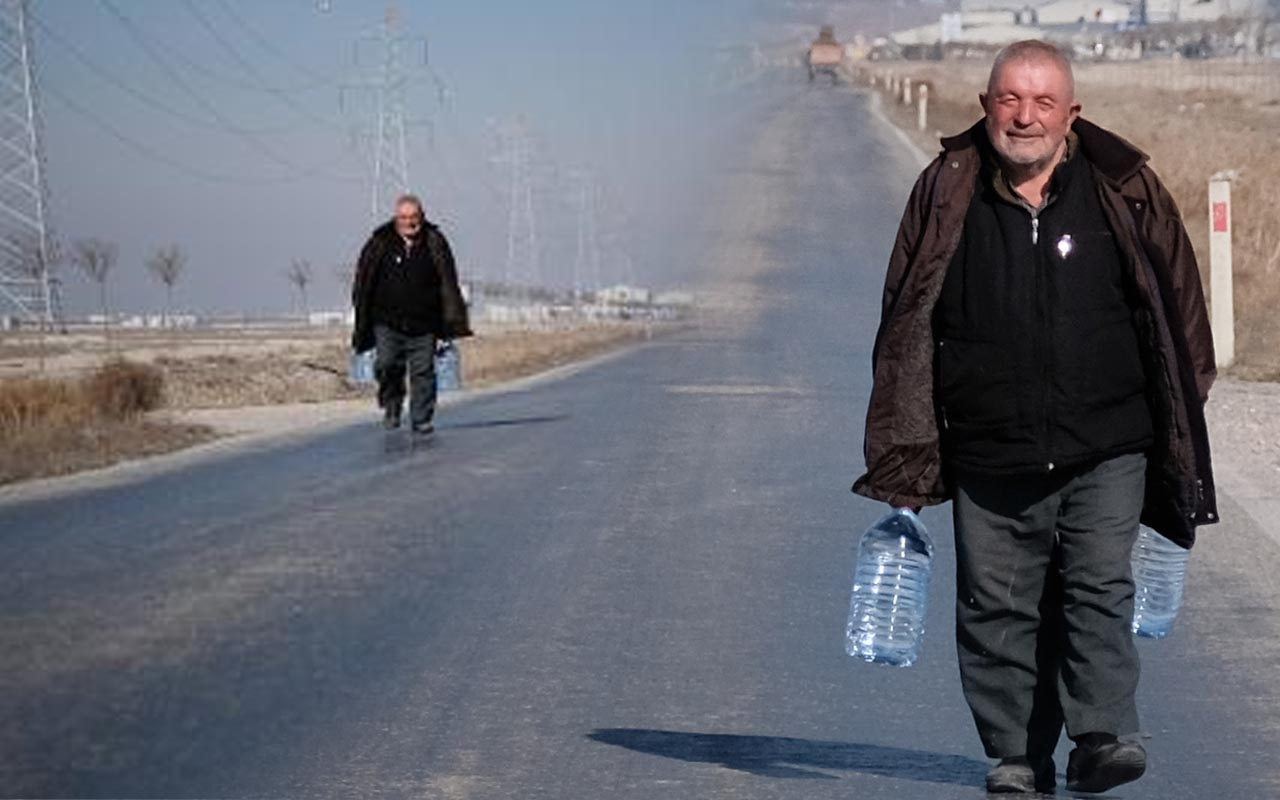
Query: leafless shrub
[166, 265]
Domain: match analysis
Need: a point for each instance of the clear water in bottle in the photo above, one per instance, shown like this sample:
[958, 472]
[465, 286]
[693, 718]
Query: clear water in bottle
[448, 367]
[1159, 572]
[890, 591]
[360, 370]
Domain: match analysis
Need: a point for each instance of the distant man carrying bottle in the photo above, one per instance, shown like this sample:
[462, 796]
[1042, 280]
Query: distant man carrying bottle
[407, 301]
[1043, 360]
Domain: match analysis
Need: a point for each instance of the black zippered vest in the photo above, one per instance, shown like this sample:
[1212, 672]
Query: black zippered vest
[1038, 365]
[406, 292]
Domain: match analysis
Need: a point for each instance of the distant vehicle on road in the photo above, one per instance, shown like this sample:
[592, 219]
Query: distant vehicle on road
[825, 55]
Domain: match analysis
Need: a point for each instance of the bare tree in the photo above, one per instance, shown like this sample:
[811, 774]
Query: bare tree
[166, 265]
[299, 274]
[95, 258]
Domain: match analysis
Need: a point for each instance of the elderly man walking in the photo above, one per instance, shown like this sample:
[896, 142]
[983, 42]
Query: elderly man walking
[1043, 360]
[407, 300]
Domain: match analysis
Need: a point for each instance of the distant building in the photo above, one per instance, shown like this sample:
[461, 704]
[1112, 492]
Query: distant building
[1070, 12]
[995, 35]
[320, 319]
[159, 321]
[624, 296]
[1203, 10]
[675, 299]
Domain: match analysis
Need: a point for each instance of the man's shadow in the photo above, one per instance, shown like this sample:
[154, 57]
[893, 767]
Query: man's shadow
[508, 422]
[781, 757]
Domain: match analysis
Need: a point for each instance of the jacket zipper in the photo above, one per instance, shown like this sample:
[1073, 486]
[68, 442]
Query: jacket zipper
[1043, 301]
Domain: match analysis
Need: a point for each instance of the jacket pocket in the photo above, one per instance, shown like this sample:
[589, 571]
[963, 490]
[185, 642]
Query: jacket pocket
[977, 390]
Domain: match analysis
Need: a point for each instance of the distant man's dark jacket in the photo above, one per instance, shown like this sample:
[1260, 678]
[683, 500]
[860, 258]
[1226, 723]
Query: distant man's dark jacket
[450, 323]
[903, 449]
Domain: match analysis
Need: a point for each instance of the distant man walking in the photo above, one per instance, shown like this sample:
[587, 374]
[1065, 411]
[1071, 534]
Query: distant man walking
[1043, 360]
[407, 301]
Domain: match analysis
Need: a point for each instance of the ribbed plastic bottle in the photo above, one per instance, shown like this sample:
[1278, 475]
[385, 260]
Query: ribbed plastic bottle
[448, 368]
[1159, 573]
[360, 369]
[890, 591]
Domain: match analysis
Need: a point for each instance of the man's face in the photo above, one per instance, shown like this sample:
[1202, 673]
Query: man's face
[1030, 108]
[408, 220]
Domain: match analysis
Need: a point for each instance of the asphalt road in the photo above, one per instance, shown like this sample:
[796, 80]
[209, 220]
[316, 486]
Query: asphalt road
[630, 582]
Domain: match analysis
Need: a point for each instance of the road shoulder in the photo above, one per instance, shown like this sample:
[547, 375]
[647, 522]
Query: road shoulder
[245, 430]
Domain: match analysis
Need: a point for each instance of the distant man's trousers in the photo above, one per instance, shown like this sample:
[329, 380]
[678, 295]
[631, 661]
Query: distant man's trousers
[398, 354]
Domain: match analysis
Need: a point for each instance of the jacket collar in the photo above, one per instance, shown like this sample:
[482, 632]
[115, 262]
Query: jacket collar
[1115, 158]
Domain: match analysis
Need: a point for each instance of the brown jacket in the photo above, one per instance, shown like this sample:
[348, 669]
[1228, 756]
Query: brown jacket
[903, 454]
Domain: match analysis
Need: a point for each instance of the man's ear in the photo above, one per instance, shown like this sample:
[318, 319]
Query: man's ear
[982, 101]
[1074, 112]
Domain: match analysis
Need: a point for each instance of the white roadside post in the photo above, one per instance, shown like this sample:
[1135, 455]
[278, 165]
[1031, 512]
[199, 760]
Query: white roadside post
[906, 92]
[922, 116]
[1221, 298]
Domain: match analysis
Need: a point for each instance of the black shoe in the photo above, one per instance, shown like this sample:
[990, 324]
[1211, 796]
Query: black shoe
[1017, 776]
[391, 419]
[1100, 762]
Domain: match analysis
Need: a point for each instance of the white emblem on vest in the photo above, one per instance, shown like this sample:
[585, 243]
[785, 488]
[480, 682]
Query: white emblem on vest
[1065, 245]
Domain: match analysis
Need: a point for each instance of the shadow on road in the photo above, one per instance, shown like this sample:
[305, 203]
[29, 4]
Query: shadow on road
[503, 423]
[779, 757]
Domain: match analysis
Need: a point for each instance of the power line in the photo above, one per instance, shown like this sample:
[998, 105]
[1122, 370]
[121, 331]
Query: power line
[152, 154]
[144, 42]
[114, 79]
[246, 84]
[284, 97]
[266, 44]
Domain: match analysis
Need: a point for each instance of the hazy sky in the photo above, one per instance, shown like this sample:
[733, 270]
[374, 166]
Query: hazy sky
[216, 125]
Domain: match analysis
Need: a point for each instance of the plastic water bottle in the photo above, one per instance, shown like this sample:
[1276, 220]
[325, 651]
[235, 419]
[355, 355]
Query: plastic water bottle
[890, 591]
[360, 370]
[448, 368]
[1159, 572]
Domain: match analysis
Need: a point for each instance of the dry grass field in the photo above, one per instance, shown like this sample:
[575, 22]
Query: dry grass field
[80, 402]
[1193, 125]
[52, 426]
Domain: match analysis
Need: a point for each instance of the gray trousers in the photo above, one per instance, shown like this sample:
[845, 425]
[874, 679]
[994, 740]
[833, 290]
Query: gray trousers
[398, 353]
[1044, 603]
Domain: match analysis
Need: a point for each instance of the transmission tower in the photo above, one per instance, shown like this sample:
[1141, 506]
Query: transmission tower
[388, 84]
[25, 252]
[586, 265]
[515, 152]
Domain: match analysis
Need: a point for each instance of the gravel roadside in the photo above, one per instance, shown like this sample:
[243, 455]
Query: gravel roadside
[1244, 427]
